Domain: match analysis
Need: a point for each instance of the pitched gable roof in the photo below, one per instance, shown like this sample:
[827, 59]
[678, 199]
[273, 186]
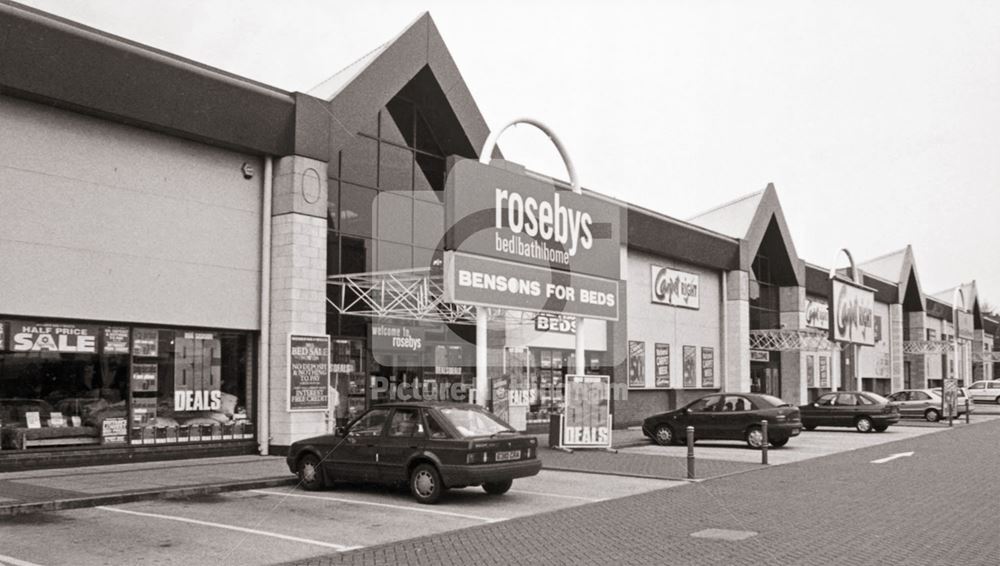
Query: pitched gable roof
[732, 218]
[897, 266]
[355, 94]
[970, 294]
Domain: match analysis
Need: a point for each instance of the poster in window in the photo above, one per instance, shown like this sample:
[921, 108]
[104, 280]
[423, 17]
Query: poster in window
[116, 340]
[662, 364]
[824, 373]
[636, 364]
[810, 371]
[29, 336]
[144, 377]
[546, 359]
[878, 329]
[690, 354]
[308, 372]
[707, 366]
[145, 343]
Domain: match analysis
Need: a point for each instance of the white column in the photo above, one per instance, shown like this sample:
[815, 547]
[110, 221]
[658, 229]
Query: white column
[482, 349]
[580, 350]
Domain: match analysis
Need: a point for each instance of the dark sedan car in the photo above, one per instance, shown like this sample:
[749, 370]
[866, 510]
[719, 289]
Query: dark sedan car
[430, 446]
[863, 411]
[727, 416]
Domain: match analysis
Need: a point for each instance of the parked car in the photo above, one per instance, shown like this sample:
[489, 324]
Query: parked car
[985, 391]
[727, 416]
[962, 401]
[431, 446]
[925, 403]
[864, 411]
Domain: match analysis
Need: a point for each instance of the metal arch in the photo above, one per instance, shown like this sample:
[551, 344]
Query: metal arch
[491, 142]
[855, 274]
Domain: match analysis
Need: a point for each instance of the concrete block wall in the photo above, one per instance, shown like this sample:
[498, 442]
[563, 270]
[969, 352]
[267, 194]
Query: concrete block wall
[298, 284]
[896, 345]
[737, 355]
[792, 306]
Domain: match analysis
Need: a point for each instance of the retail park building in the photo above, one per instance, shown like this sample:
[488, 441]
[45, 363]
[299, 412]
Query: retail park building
[166, 228]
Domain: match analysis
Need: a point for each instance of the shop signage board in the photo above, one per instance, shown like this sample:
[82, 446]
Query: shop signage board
[113, 430]
[950, 396]
[586, 422]
[308, 372]
[53, 337]
[494, 283]
[707, 366]
[115, 340]
[965, 328]
[760, 356]
[503, 214]
[817, 314]
[555, 323]
[853, 319]
[145, 342]
[396, 338]
[675, 288]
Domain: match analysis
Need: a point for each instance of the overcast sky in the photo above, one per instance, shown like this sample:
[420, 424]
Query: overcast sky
[878, 122]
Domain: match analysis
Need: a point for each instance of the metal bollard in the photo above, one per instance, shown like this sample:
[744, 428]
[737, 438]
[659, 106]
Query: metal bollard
[690, 459]
[763, 447]
[966, 410]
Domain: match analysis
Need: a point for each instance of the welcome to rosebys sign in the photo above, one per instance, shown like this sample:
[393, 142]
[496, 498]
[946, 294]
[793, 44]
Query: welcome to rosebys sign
[853, 316]
[675, 288]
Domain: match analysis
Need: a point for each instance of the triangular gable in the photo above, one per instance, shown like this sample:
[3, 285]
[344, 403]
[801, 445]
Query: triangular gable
[898, 267]
[356, 94]
[970, 294]
[748, 218]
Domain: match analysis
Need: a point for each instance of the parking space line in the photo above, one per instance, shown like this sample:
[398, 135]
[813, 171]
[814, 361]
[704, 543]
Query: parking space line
[11, 561]
[580, 497]
[337, 547]
[374, 504]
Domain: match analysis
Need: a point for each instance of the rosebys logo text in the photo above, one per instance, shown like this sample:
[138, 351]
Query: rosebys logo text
[672, 287]
[550, 222]
[852, 314]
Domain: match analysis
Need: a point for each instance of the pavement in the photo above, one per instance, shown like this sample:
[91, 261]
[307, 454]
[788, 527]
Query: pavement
[926, 500]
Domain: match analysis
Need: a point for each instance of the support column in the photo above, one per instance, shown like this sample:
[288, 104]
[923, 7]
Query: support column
[482, 356]
[298, 282]
[792, 307]
[737, 358]
[978, 369]
[896, 346]
[918, 362]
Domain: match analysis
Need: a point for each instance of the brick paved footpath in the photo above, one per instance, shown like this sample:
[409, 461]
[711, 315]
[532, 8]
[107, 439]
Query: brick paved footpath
[939, 506]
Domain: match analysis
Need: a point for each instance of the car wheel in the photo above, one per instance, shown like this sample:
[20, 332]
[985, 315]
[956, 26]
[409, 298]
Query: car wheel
[310, 473]
[425, 484]
[997, 399]
[809, 427]
[755, 437]
[779, 443]
[863, 424]
[880, 428]
[932, 415]
[664, 435]
[497, 487]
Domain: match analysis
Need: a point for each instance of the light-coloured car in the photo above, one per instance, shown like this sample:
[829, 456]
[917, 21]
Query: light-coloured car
[985, 391]
[924, 403]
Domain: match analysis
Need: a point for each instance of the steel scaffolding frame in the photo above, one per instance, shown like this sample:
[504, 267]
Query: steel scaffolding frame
[791, 341]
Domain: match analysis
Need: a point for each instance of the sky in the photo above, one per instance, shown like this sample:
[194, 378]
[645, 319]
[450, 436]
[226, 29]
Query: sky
[877, 121]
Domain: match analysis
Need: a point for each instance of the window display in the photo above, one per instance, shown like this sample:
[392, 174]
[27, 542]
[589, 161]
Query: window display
[95, 384]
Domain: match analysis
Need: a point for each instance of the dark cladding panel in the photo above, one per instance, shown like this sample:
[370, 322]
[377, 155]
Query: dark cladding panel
[684, 243]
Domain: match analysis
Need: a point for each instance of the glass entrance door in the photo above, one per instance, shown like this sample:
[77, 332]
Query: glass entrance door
[765, 377]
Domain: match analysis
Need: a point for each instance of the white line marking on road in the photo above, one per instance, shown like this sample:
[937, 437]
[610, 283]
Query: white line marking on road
[372, 503]
[593, 499]
[337, 547]
[891, 458]
[11, 561]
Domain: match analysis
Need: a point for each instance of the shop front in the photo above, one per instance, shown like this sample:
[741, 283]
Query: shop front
[100, 385]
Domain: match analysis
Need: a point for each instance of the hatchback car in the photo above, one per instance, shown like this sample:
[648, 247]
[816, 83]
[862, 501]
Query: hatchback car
[988, 391]
[429, 446]
[925, 403]
[863, 411]
[728, 416]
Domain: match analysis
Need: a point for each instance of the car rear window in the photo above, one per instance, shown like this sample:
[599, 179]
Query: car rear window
[774, 401]
[474, 422]
[875, 396]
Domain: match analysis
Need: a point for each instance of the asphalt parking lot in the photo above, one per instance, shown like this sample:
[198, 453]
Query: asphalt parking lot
[281, 524]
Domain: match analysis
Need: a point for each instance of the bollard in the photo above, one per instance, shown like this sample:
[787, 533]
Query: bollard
[690, 459]
[966, 410]
[763, 447]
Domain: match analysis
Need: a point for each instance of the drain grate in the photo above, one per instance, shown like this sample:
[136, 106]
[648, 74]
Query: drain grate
[724, 534]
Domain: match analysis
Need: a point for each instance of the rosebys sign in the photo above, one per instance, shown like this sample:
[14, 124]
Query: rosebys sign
[675, 288]
[853, 318]
[498, 213]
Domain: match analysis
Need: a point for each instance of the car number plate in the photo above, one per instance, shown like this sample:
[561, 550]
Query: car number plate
[795, 431]
[508, 456]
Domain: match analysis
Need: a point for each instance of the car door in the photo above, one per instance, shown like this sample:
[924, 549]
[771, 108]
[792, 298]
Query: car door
[845, 409]
[902, 398]
[404, 437]
[977, 391]
[920, 401]
[355, 458]
[820, 413]
[739, 414]
[703, 416]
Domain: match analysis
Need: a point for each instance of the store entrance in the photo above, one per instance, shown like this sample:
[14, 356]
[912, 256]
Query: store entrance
[765, 377]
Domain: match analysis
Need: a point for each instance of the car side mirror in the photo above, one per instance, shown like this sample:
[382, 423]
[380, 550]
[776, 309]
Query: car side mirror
[687, 411]
[341, 431]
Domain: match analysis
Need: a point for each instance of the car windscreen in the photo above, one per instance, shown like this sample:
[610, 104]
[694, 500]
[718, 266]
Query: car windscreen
[774, 401]
[474, 422]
